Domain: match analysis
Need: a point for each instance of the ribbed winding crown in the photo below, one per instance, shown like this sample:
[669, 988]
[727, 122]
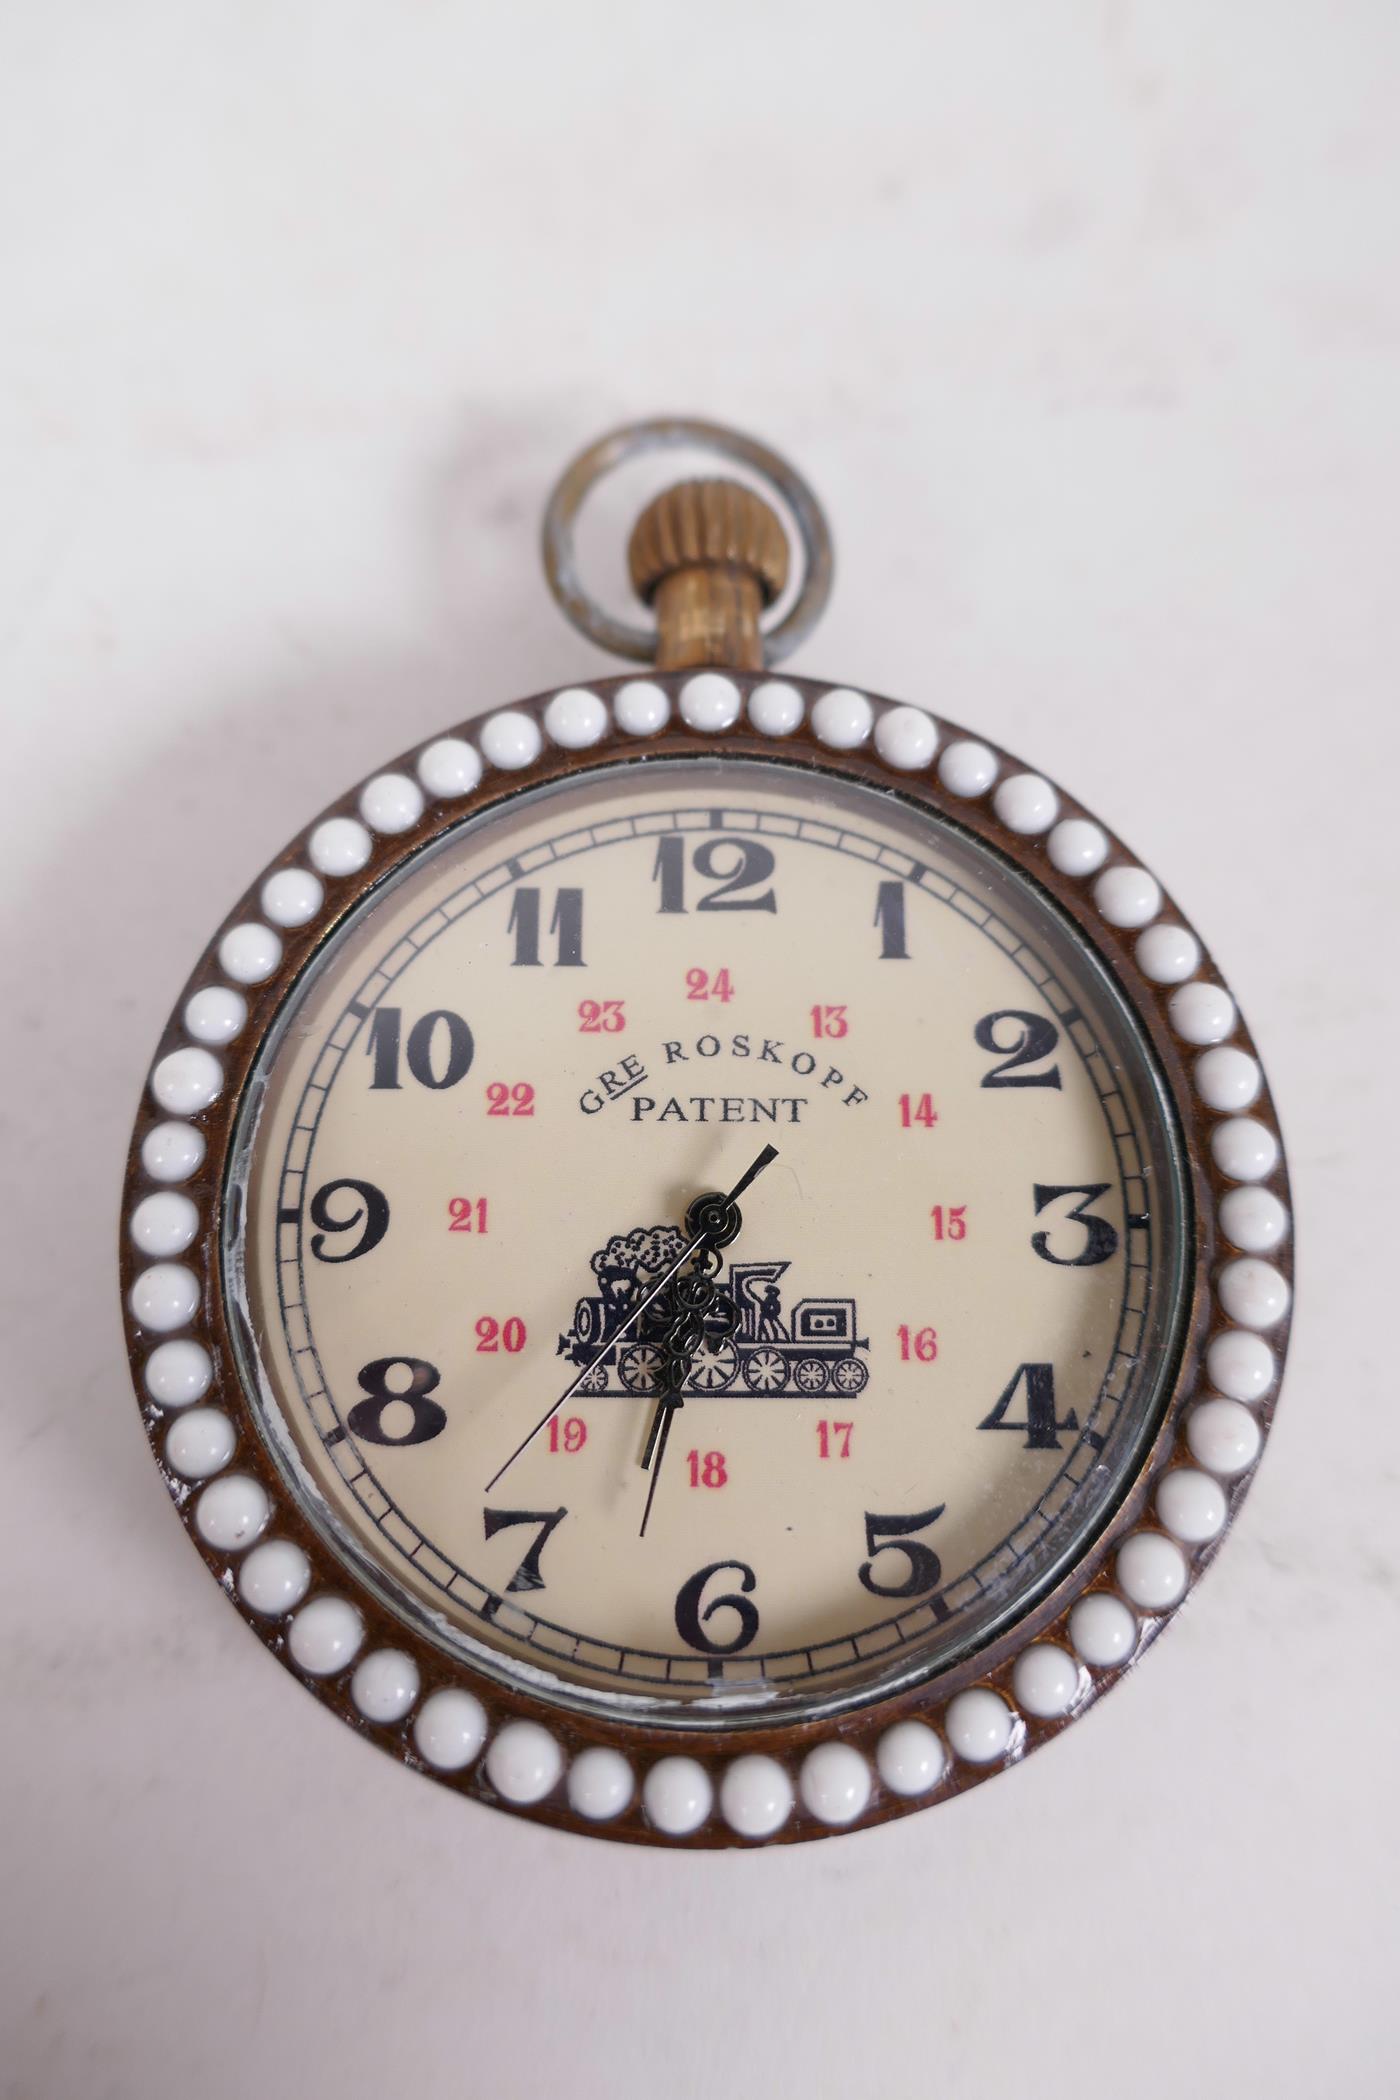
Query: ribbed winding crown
[708, 524]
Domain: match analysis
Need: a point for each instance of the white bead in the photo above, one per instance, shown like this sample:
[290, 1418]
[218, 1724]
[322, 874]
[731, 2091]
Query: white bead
[967, 768]
[1026, 803]
[449, 768]
[199, 1443]
[274, 1578]
[1244, 1149]
[524, 1762]
[178, 1373]
[910, 1758]
[186, 1081]
[1168, 954]
[172, 1151]
[164, 1297]
[641, 708]
[1077, 847]
[164, 1223]
[511, 740]
[906, 738]
[755, 1794]
[250, 953]
[835, 1781]
[575, 718]
[1151, 1571]
[1223, 1437]
[216, 1014]
[1191, 1505]
[385, 1685]
[775, 708]
[979, 1725]
[231, 1512]
[1046, 1681]
[340, 846]
[1202, 1013]
[325, 1636]
[842, 718]
[1240, 1365]
[1103, 1630]
[600, 1783]
[292, 897]
[1253, 1292]
[677, 1795]
[450, 1730]
[710, 702]
[391, 803]
[1128, 896]
[1254, 1219]
[1227, 1079]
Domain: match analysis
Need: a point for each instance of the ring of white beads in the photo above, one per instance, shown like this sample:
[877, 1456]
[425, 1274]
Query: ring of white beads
[837, 1782]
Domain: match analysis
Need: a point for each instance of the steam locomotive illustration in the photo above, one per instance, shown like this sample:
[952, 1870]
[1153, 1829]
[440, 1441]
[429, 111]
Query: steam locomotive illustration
[803, 1352]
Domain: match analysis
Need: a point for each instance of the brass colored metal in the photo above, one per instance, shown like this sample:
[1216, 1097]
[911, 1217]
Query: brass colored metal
[708, 556]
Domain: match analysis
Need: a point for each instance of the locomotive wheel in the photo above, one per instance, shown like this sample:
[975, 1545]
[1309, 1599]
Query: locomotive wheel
[639, 1367]
[714, 1367]
[765, 1371]
[588, 1321]
[810, 1375]
[595, 1379]
[850, 1375]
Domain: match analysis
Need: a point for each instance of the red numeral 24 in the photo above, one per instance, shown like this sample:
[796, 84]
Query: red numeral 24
[914, 1110]
[834, 1439]
[922, 1345]
[699, 984]
[601, 1017]
[569, 1435]
[829, 1020]
[707, 1469]
[467, 1213]
[503, 1100]
[495, 1335]
[950, 1224]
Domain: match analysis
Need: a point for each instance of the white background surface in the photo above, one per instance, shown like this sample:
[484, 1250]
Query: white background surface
[1084, 321]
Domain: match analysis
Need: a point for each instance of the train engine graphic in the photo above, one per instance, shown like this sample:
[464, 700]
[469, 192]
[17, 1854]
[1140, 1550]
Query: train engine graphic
[771, 1350]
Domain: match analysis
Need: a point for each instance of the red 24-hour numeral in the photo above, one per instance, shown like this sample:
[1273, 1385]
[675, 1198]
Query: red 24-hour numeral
[707, 1469]
[505, 1100]
[569, 1435]
[467, 1214]
[949, 1224]
[917, 1109]
[601, 1017]
[834, 1439]
[700, 984]
[829, 1021]
[918, 1345]
[494, 1335]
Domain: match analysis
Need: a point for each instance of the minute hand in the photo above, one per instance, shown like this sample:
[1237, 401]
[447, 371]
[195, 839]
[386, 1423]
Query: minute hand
[702, 1238]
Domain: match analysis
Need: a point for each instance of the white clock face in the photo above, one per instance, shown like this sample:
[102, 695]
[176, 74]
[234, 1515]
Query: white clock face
[957, 1292]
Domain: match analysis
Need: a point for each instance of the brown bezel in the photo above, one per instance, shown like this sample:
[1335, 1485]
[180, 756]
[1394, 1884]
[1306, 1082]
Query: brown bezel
[861, 1726]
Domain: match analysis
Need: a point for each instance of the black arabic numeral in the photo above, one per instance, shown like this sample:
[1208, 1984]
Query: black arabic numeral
[924, 1571]
[1100, 1238]
[371, 1210]
[1042, 1430]
[735, 864]
[436, 1030]
[566, 925]
[889, 917]
[1034, 1038]
[527, 1575]
[366, 1418]
[691, 1620]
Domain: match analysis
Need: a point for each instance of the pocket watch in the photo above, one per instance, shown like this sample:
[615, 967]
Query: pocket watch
[706, 1255]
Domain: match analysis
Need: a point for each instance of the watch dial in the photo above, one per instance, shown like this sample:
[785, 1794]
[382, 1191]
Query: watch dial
[941, 1338]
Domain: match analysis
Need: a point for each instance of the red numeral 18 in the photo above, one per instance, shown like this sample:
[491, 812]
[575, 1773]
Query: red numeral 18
[569, 1435]
[918, 1109]
[834, 1439]
[707, 1469]
[950, 1224]
[922, 1345]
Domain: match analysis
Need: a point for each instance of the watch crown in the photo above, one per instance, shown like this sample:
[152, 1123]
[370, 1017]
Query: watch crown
[709, 555]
